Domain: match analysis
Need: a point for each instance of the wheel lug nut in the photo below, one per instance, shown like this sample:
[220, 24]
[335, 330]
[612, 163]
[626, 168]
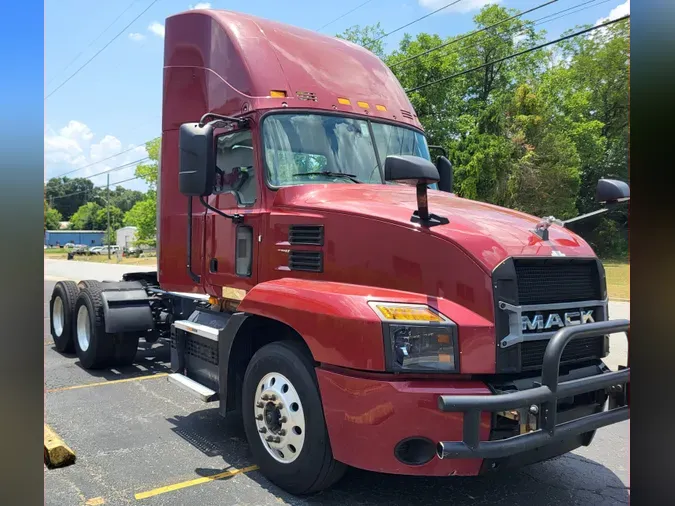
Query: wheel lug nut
[270, 439]
[258, 417]
[283, 419]
[280, 406]
[260, 404]
[277, 439]
[262, 430]
[282, 432]
[272, 397]
[265, 397]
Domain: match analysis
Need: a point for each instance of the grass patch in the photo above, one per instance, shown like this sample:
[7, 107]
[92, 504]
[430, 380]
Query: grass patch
[618, 279]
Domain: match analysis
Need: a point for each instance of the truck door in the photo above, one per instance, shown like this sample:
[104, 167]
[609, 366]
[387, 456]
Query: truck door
[231, 248]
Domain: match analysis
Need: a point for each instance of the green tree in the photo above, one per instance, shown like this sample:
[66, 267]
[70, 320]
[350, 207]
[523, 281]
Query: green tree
[143, 216]
[86, 217]
[52, 218]
[67, 195]
[366, 37]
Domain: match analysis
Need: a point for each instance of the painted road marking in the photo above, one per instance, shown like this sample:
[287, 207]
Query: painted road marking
[192, 483]
[57, 453]
[95, 501]
[112, 382]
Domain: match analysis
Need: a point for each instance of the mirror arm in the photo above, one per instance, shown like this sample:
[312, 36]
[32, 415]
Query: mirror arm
[226, 119]
[236, 218]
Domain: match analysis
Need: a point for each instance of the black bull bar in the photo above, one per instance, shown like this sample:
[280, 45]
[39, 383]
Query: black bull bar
[545, 397]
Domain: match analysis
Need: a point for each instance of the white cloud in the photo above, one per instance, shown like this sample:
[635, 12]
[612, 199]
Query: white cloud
[157, 28]
[616, 12]
[136, 37]
[73, 147]
[462, 6]
[200, 5]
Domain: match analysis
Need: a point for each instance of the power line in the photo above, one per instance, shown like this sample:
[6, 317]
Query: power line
[416, 20]
[529, 50]
[101, 50]
[470, 34]
[517, 31]
[88, 190]
[104, 159]
[93, 41]
[119, 167]
[345, 14]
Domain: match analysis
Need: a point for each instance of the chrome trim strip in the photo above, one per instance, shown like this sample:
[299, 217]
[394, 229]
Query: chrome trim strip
[198, 329]
[515, 319]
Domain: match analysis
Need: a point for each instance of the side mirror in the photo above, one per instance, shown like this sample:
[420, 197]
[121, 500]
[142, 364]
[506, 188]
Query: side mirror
[420, 172]
[409, 168]
[444, 168]
[611, 191]
[197, 169]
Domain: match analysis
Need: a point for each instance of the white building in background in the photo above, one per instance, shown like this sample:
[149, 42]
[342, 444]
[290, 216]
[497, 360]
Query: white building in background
[126, 237]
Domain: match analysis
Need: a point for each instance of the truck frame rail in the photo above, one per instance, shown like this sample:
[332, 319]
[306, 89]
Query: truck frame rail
[543, 401]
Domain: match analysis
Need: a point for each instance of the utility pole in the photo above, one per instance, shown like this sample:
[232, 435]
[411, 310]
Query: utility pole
[107, 206]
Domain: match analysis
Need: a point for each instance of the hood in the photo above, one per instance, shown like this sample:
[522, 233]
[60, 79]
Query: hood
[486, 232]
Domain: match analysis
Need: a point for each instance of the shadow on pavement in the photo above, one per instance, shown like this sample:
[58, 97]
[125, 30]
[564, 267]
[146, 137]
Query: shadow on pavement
[151, 358]
[570, 479]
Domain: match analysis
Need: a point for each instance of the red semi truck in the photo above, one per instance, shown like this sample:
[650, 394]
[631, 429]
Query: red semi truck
[317, 276]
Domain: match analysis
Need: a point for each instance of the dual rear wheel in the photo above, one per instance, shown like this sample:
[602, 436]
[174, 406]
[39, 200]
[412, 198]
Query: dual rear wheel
[76, 314]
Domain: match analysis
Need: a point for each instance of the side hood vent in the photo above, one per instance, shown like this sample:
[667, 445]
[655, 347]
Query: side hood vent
[306, 234]
[309, 261]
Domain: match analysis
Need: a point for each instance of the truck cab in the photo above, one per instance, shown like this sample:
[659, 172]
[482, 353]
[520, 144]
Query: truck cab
[335, 293]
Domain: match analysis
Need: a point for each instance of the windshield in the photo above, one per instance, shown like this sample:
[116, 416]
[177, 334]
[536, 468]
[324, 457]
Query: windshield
[311, 148]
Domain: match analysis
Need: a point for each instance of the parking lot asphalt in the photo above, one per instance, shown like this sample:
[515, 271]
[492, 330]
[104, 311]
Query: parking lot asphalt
[141, 440]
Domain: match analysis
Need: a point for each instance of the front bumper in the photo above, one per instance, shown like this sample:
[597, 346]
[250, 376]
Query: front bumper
[541, 401]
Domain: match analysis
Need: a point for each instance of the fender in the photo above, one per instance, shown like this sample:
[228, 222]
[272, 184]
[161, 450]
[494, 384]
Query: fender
[126, 307]
[341, 329]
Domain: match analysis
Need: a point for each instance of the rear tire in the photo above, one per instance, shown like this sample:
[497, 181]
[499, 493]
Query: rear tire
[87, 283]
[312, 467]
[94, 347]
[62, 315]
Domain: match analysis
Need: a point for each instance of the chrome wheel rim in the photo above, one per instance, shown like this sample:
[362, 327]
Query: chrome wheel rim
[58, 316]
[83, 330]
[279, 417]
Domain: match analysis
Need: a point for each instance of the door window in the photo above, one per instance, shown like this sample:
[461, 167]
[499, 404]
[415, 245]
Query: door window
[234, 166]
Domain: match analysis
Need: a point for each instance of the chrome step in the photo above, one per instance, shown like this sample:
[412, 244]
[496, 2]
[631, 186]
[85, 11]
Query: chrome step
[197, 389]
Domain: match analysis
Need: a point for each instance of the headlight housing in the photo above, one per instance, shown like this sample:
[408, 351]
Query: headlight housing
[417, 338]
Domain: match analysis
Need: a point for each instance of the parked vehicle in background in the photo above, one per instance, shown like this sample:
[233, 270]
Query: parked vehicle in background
[68, 245]
[95, 250]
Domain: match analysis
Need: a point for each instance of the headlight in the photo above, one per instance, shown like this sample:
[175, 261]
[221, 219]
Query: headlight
[417, 338]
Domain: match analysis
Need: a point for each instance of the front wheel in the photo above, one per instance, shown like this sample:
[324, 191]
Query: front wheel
[284, 422]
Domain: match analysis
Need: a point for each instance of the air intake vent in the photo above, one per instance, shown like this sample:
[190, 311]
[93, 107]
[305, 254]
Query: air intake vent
[406, 114]
[310, 261]
[306, 234]
[553, 281]
[578, 350]
[306, 95]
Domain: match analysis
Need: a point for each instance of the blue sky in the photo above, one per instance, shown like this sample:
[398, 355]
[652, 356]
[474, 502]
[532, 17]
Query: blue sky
[114, 103]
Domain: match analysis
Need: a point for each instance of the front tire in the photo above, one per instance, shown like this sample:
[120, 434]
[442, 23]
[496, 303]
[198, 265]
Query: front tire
[94, 347]
[284, 422]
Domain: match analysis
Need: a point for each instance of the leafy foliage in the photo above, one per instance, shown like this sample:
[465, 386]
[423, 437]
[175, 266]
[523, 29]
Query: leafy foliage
[52, 218]
[143, 214]
[535, 132]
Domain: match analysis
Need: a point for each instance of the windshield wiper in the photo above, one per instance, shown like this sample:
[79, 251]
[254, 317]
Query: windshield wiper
[351, 177]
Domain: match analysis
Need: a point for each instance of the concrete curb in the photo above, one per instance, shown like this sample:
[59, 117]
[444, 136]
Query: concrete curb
[57, 453]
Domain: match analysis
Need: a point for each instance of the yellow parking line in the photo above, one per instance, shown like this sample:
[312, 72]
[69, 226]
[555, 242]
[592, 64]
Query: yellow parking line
[95, 501]
[57, 453]
[192, 483]
[112, 382]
